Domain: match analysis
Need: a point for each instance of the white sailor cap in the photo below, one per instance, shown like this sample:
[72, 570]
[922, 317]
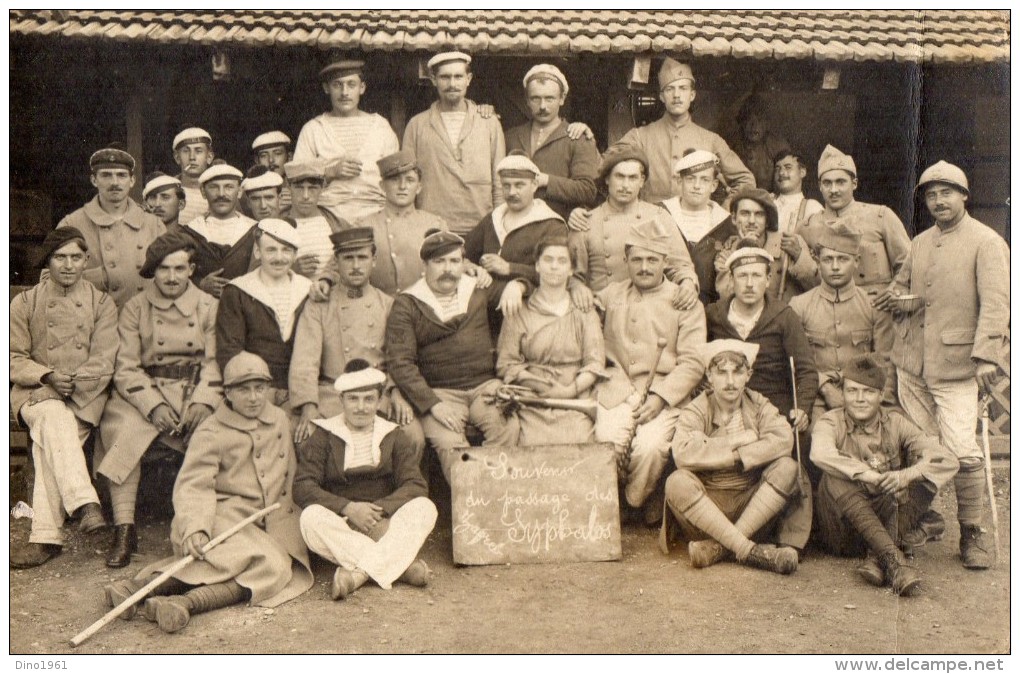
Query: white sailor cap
[220, 171]
[281, 230]
[359, 379]
[710, 350]
[261, 182]
[446, 57]
[749, 255]
[517, 164]
[270, 139]
[695, 161]
[192, 135]
[550, 71]
[158, 183]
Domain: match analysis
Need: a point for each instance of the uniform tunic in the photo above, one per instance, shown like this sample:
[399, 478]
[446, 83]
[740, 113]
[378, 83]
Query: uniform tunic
[459, 181]
[366, 137]
[600, 250]
[884, 241]
[117, 246]
[73, 331]
[234, 467]
[839, 324]
[572, 166]
[540, 344]
[664, 143]
[962, 274]
[397, 241]
[331, 334]
[156, 331]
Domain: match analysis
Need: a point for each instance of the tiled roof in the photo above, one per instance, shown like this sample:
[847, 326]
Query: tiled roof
[938, 36]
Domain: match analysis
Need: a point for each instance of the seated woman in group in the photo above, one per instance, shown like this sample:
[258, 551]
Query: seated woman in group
[554, 350]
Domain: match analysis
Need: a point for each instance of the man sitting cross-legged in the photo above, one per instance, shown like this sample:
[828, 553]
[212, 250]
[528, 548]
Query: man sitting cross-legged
[365, 501]
[734, 473]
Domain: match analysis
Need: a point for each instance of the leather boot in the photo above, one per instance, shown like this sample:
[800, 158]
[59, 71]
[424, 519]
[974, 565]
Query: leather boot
[931, 527]
[346, 582]
[173, 613]
[975, 548]
[31, 555]
[125, 542]
[417, 574]
[778, 560]
[705, 553]
[91, 518]
[901, 575]
[871, 571]
[119, 591]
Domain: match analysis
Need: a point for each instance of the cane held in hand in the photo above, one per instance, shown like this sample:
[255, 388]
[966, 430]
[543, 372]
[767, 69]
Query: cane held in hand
[988, 471]
[805, 490]
[645, 390]
[158, 580]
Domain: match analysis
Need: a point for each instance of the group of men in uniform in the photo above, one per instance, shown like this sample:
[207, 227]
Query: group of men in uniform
[372, 280]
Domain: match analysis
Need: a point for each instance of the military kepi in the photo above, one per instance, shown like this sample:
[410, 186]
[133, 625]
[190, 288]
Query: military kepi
[352, 239]
[164, 245]
[111, 157]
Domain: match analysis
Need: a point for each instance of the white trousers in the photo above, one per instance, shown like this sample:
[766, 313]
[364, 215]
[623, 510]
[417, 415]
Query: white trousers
[945, 409]
[329, 536]
[650, 445]
[62, 480]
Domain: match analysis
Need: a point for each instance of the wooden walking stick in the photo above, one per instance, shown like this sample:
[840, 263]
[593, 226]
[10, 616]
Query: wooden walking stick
[158, 580]
[645, 390]
[796, 434]
[988, 472]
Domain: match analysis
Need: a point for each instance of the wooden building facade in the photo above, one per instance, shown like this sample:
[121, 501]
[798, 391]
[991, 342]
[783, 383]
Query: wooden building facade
[897, 89]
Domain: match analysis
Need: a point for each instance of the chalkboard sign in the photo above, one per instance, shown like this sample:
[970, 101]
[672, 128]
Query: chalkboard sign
[546, 503]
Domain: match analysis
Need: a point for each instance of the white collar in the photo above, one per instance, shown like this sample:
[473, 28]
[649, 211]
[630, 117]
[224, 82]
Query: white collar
[252, 284]
[338, 427]
[421, 291]
[539, 211]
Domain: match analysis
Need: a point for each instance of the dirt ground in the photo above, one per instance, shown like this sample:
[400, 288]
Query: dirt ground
[645, 603]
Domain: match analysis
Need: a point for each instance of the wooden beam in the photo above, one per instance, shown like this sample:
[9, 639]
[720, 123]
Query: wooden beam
[133, 137]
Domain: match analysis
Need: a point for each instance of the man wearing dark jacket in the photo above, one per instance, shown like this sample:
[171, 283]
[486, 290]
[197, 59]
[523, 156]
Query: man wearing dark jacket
[366, 506]
[753, 317]
[440, 353]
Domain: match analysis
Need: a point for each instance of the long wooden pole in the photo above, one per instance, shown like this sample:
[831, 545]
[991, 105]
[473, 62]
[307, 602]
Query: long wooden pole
[804, 492]
[988, 473]
[158, 580]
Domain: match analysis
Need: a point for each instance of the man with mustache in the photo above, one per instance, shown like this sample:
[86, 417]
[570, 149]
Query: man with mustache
[346, 143]
[758, 146]
[884, 240]
[116, 229]
[753, 316]
[193, 153]
[736, 483]
[600, 250]
[794, 208]
[167, 340]
[62, 349]
[503, 243]
[639, 312]
[881, 474]
[457, 149]
[259, 310]
[950, 350]
[568, 166]
[757, 224]
[163, 196]
[272, 150]
[440, 352]
[664, 140]
[262, 190]
[837, 316]
[350, 325]
[224, 236]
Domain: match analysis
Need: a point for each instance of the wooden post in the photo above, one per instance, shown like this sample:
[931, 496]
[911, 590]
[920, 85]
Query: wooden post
[133, 138]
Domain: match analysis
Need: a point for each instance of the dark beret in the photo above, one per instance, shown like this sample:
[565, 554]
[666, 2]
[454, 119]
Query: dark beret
[57, 239]
[620, 153]
[168, 243]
